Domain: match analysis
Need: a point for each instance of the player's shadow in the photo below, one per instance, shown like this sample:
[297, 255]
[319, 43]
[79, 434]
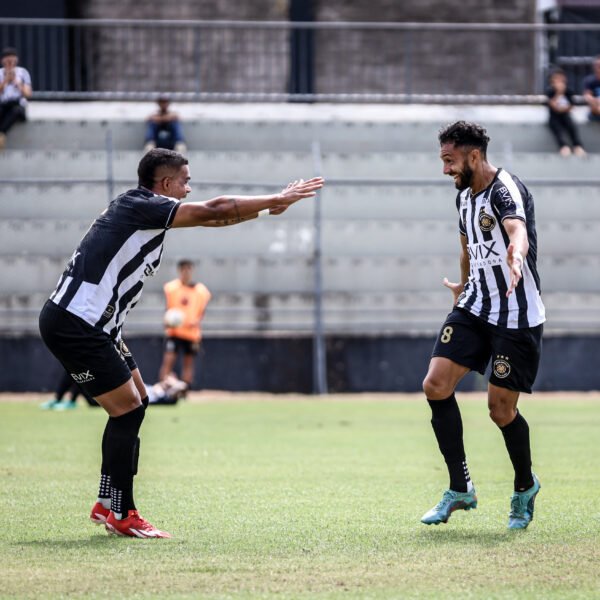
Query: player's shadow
[457, 537]
[99, 540]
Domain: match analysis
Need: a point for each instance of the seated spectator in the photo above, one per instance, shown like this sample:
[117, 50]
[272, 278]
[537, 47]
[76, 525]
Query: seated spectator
[15, 89]
[164, 129]
[168, 391]
[591, 91]
[560, 103]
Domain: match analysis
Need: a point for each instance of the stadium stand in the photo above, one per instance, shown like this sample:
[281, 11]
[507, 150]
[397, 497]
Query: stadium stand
[389, 222]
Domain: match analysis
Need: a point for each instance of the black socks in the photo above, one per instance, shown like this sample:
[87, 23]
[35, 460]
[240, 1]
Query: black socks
[447, 426]
[120, 450]
[516, 438]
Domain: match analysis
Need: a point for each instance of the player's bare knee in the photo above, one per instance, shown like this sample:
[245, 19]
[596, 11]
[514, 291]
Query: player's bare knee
[435, 388]
[502, 415]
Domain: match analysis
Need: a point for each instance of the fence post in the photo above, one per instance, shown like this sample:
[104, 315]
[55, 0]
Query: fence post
[110, 177]
[319, 353]
[408, 59]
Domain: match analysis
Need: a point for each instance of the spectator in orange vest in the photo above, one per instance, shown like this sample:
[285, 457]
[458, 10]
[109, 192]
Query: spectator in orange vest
[186, 303]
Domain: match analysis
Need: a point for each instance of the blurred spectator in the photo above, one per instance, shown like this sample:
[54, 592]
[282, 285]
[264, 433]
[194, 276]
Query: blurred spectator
[163, 129]
[591, 91]
[183, 332]
[168, 391]
[560, 103]
[15, 89]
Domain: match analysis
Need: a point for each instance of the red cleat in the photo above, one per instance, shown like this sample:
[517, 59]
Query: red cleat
[99, 514]
[133, 526]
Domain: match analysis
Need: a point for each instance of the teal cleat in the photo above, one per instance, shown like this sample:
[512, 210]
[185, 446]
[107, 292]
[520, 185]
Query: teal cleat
[521, 506]
[49, 404]
[450, 502]
[62, 406]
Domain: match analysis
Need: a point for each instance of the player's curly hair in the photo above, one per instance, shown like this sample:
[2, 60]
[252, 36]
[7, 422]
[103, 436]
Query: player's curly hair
[463, 133]
[153, 160]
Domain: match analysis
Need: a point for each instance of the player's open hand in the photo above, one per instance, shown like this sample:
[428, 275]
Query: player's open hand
[299, 189]
[514, 260]
[455, 288]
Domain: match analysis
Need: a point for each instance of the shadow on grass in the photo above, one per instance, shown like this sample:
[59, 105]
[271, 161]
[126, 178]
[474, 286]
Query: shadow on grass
[95, 541]
[458, 536]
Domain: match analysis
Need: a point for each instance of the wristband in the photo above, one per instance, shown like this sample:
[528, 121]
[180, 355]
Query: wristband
[264, 212]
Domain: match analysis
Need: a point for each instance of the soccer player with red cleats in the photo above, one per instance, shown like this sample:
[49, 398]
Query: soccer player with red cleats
[133, 525]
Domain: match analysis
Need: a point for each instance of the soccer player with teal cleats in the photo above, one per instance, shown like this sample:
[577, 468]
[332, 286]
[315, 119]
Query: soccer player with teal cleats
[522, 505]
[450, 502]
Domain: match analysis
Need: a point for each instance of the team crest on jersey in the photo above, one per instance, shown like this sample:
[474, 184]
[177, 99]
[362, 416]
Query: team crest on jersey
[123, 349]
[501, 367]
[486, 222]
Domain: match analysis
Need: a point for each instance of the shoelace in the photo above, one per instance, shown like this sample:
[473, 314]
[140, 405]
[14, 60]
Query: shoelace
[446, 498]
[141, 523]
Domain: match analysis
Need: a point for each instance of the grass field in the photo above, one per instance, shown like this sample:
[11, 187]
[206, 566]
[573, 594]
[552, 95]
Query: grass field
[293, 497]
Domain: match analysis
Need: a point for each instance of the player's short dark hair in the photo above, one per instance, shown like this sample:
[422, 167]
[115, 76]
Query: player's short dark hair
[153, 160]
[184, 262]
[465, 134]
[9, 51]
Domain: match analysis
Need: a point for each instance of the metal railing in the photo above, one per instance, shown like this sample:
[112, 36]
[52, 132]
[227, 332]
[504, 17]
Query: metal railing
[285, 61]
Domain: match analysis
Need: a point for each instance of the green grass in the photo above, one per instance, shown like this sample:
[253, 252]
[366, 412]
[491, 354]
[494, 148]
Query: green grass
[299, 498]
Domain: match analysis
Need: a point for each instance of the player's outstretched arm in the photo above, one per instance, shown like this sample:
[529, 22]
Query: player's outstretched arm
[231, 210]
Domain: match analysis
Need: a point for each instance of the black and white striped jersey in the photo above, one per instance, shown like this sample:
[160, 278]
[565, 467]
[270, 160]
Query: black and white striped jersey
[104, 278]
[480, 220]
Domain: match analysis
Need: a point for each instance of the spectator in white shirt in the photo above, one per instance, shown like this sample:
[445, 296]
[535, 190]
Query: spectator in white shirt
[15, 89]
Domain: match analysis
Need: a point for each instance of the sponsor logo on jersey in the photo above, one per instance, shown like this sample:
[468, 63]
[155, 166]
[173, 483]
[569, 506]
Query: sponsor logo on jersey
[109, 311]
[84, 377]
[484, 255]
[501, 367]
[505, 198]
[483, 250]
[149, 271]
[486, 222]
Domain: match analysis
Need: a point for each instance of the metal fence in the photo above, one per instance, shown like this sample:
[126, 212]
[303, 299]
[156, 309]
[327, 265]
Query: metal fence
[285, 61]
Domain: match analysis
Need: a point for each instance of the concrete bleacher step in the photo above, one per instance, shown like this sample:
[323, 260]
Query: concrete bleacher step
[355, 202]
[52, 201]
[32, 274]
[393, 312]
[277, 168]
[278, 238]
[336, 133]
[348, 201]
[273, 167]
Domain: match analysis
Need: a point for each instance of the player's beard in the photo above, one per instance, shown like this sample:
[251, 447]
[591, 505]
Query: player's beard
[464, 179]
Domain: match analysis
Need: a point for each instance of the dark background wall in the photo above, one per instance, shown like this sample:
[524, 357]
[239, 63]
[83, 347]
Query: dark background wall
[343, 61]
[280, 365]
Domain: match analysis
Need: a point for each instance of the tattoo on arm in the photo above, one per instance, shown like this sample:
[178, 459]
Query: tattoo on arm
[237, 210]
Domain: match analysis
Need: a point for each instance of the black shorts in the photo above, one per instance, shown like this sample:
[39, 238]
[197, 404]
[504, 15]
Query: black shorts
[178, 345]
[96, 362]
[471, 342]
